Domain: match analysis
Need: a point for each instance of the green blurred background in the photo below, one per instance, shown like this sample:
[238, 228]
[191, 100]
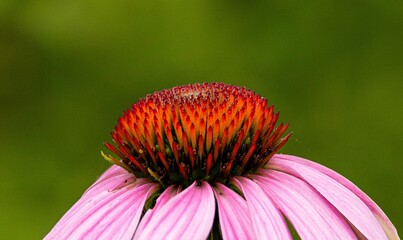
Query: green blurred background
[68, 69]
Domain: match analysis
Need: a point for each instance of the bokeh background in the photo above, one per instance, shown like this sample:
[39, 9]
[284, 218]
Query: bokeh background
[68, 69]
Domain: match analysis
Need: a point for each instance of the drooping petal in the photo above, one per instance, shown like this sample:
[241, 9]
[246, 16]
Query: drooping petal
[351, 206]
[233, 213]
[386, 224]
[268, 223]
[188, 215]
[312, 216]
[111, 213]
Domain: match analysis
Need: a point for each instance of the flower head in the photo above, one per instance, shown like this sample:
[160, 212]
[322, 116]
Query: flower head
[207, 132]
[199, 161]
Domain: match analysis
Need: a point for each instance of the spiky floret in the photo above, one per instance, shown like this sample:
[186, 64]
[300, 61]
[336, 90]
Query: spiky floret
[209, 131]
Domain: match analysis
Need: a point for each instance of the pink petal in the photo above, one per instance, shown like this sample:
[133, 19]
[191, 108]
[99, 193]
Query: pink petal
[109, 179]
[111, 213]
[268, 223]
[233, 213]
[386, 224]
[312, 216]
[188, 215]
[351, 206]
[168, 194]
[112, 178]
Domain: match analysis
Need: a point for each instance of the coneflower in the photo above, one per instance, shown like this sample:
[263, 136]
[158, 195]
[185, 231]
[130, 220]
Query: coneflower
[199, 162]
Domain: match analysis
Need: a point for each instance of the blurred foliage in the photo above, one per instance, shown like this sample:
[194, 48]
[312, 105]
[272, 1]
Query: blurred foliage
[68, 69]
